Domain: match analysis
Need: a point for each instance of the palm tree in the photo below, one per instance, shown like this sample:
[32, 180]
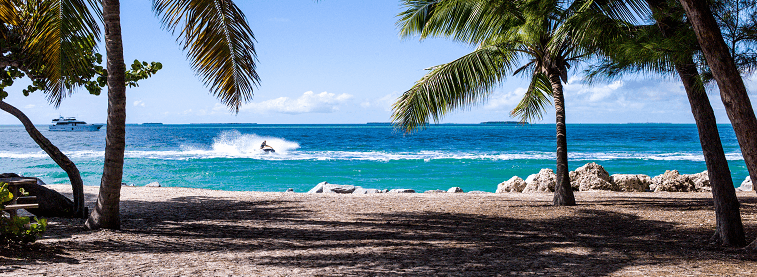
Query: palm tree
[506, 33]
[220, 45]
[668, 47]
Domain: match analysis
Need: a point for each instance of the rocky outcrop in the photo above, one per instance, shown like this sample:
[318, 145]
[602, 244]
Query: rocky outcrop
[631, 182]
[591, 176]
[325, 187]
[153, 185]
[672, 181]
[455, 190]
[515, 184]
[401, 191]
[701, 181]
[746, 185]
[544, 181]
[435, 191]
[360, 190]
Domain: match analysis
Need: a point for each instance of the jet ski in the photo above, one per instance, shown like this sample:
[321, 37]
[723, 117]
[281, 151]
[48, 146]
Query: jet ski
[268, 149]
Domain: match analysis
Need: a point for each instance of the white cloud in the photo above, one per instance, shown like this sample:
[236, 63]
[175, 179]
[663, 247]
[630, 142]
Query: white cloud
[139, 103]
[309, 102]
[499, 100]
[30, 106]
[592, 93]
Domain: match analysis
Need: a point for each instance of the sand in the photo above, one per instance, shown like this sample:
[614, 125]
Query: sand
[193, 232]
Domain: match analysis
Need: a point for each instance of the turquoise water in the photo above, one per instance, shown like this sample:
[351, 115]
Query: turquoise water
[473, 157]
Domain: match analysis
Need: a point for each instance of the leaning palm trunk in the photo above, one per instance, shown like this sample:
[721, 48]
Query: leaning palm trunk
[61, 159]
[730, 230]
[563, 190]
[106, 212]
[732, 90]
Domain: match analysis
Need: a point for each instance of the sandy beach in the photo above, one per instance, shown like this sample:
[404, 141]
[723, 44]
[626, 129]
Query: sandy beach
[183, 232]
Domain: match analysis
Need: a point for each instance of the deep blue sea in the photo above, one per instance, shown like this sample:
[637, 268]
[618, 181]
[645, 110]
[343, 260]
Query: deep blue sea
[473, 157]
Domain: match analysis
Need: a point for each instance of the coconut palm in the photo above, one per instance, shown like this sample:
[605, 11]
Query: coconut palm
[668, 47]
[219, 44]
[513, 37]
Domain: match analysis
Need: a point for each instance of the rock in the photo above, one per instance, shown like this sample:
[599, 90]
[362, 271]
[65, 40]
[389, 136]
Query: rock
[153, 185]
[384, 191]
[127, 185]
[435, 191]
[455, 190]
[701, 181]
[515, 184]
[360, 190]
[290, 190]
[673, 181]
[401, 191]
[318, 188]
[478, 192]
[544, 181]
[631, 182]
[341, 189]
[591, 176]
[746, 185]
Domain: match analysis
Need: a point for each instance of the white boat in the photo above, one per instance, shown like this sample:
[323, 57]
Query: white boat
[70, 124]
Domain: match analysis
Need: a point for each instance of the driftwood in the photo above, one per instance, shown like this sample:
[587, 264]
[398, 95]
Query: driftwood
[51, 203]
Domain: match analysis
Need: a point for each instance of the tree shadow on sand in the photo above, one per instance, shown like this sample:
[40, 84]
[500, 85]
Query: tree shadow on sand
[589, 242]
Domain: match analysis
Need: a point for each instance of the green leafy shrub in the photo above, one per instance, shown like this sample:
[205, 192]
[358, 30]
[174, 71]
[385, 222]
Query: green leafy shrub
[17, 229]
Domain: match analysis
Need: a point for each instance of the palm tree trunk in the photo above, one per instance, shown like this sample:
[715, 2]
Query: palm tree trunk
[61, 159]
[730, 230]
[732, 90]
[106, 212]
[563, 191]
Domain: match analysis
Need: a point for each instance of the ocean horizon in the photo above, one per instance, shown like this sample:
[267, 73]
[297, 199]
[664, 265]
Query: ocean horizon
[471, 156]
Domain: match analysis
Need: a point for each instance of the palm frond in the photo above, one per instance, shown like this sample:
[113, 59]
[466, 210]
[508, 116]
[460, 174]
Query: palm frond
[57, 34]
[219, 43]
[460, 83]
[536, 99]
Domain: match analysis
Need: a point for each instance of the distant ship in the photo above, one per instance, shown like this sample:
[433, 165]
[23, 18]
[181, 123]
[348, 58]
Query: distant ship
[70, 124]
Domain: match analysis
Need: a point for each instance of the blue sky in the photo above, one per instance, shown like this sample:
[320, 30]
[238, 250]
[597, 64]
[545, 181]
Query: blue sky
[336, 61]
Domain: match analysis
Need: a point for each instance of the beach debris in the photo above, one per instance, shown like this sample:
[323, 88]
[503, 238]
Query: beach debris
[746, 185]
[631, 182]
[435, 191]
[153, 185]
[455, 190]
[290, 190]
[544, 181]
[591, 176]
[672, 181]
[515, 184]
[401, 191]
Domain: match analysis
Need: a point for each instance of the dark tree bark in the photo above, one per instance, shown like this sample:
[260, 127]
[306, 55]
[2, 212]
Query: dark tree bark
[563, 191]
[730, 229]
[732, 90]
[61, 159]
[106, 212]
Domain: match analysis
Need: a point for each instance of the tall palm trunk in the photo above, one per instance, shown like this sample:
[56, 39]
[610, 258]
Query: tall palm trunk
[563, 191]
[732, 90]
[730, 230]
[106, 212]
[61, 159]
